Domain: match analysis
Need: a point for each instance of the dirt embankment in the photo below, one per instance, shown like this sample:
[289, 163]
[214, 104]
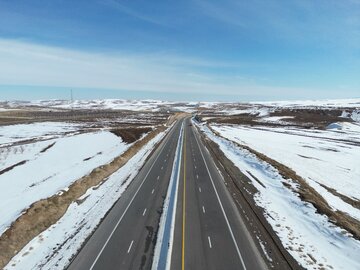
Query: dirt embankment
[42, 214]
[309, 194]
[131, 134]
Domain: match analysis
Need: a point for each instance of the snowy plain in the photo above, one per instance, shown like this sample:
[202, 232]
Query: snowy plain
[319, 157]
[308, 236]
[34, 171]
[54, 248]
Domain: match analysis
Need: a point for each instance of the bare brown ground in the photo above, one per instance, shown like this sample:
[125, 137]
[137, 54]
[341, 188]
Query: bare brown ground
[131, 134]
[309, 194]
[42, 214]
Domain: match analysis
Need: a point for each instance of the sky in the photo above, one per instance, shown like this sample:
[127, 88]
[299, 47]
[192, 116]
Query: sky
[199, 50]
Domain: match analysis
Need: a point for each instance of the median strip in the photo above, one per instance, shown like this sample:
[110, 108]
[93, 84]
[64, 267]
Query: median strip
[163, 248]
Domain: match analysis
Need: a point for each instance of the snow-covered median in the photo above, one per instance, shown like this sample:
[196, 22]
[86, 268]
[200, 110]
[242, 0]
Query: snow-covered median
[53, 248]
[308, 236]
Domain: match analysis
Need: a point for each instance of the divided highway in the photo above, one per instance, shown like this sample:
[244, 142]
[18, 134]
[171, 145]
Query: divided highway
[209, 232]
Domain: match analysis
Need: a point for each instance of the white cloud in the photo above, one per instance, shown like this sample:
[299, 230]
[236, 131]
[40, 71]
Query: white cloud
[24, 63]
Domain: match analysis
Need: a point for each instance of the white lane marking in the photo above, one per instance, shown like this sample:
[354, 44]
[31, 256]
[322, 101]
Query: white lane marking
[132, 242]
[195, 166]
[203, 209]
[209, 242]
[199, 189]
[144, 212]
[197, 176]
[158, 176]
[152, 192]
[221, 206]
[165, 160]
[162, 167]
[126, 209]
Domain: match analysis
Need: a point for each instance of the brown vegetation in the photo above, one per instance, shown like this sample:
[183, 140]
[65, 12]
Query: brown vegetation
[130, 134]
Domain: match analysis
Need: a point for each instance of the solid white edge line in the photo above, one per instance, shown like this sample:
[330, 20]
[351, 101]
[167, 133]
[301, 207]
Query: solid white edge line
[122, 216]
[221, 206]
[129, 249]
[209, 242]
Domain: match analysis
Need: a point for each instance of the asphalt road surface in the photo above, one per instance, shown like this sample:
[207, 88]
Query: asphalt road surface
[209, 232]
[125, 239]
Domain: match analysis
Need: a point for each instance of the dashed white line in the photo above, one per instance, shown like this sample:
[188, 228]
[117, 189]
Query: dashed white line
[152, 192]
[195, 166]
[158, 176]
[162, 167]
[132, 242]
[221, 206]
[203, 209]
[199, 189]
[144, 212]
[209, 242]
[197, 176]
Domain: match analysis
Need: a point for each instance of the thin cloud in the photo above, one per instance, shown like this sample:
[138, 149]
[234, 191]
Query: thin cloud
[24, 63]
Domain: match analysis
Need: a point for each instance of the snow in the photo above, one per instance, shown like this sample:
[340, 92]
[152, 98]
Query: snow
[256, 111]
[354, 115]
[46, 173]
[165, 237]
[320, 158]
[335, 103]
[54, 248]
[308, 236]
[103, 104]
[42, 130]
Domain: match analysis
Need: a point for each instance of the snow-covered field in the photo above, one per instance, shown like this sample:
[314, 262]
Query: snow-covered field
[39, 131]
[53, 248]
[327, 157]
[103, 104]
[309, 237]
[335, 103]
[40, 169]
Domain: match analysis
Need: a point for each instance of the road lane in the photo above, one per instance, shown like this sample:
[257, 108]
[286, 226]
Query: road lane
[211, 235]
[126, 237]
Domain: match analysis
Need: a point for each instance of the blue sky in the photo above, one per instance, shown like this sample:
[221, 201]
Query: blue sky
[180, 50]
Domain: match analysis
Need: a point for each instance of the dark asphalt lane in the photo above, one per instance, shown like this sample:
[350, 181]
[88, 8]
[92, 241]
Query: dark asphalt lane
[209, 232]
[125, 239]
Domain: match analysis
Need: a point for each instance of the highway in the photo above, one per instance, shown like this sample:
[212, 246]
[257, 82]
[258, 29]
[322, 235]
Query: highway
[209, 232]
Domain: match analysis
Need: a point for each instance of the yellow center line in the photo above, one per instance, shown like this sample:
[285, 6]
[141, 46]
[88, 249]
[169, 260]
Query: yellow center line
[184, 198]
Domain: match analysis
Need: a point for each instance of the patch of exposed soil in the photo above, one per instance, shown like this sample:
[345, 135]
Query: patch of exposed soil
[130, 134]
[42, 214]
[47, 147]
[12, 167]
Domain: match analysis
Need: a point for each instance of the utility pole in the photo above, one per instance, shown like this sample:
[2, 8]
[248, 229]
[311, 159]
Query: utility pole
[72, 101]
